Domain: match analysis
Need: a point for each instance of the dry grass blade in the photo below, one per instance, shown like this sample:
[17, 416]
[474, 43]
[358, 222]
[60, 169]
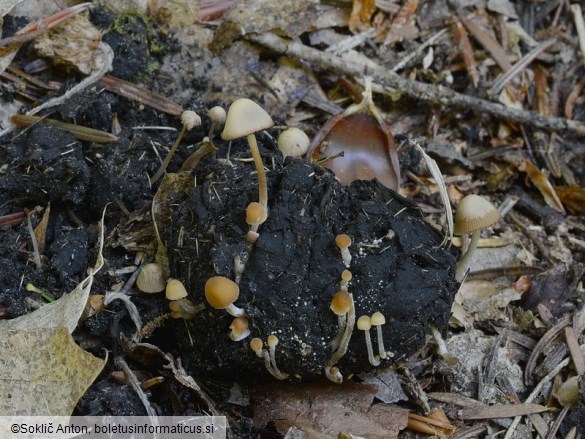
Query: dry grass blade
[436, 424]
[501, 82]
[501, 411]
[436, 173]
[141, 94]
[32, 30]
[575, 350]
[550, 335]
[580, 25]
[78, 131]
[544, 186]
[466, 51]
[488, 43]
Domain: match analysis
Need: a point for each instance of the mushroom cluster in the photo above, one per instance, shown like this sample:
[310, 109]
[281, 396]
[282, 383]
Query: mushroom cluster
[324, 256]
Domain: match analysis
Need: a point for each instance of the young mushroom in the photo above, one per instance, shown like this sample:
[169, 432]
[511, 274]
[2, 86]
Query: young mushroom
[255, 215]
[474, 214]
[175, 290]
[221, 293]
[217, 116]
[180, 306]
[340, 305]
[244, 118]
[189, 119]
[378, 320]
[364, 324]
[343, 343]
[345, 279]
[293, 142]
[239, 329]
[343, 241]
[258, 347]
[151, 279]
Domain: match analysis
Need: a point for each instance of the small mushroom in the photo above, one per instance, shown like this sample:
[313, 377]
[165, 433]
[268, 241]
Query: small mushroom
[217, 116]
[239, 329]
[346, 277]
[189, 119]
[364, 324]
[258, 347]
[333, 374]
[474, 214]
[151, 279]
[340, 305]
[293, 142]
[255, 215]
[244, 118]
[272, 342]
[221, 293]
[175, 290]
[343, 241]
[378, 320]
[344, 340]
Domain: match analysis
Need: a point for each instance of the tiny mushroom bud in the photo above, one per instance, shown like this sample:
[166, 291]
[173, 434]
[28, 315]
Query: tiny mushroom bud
[378, 320]
[217, 116]
[364, 324]
[293, 142]
[244, 118]
[343, 241]
[257, 346]
[150, 279]
[334, 374]
[345, 279]
[175, 290]
[239, 327]
[272, 342]
[474, 214]
[255, 215]
[190, 119]
[221, 293]
[341, 341]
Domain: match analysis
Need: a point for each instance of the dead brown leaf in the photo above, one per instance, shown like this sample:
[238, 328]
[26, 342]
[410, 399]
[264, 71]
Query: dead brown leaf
[544, 186]
[323, 410]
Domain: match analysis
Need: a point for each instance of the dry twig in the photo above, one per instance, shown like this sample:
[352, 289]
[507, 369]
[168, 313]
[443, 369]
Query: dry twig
[430, 93]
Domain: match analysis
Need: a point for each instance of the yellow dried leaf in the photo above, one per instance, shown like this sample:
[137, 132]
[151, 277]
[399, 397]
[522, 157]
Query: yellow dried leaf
[540, 181]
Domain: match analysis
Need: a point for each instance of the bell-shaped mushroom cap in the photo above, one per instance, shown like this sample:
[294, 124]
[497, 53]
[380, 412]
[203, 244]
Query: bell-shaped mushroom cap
[175, 290]
[474, 213]
[151, 279]
[245, 117]
[341, 303]
[255, 214]
[221, 292]
[364, 323]
[377, 319]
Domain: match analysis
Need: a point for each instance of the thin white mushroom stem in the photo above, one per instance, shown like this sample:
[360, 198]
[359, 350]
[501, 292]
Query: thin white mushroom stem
[381, 349]
[371, 358]
[341, 325]
[262, 186]
[272, 342]
[466, 258]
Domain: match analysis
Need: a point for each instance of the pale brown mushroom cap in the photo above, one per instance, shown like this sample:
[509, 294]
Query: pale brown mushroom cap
[217, 115]
[221, 292]
[256, 344]
[293, 142]
[175, 290]
[341, 303]
[190, 119]
[255, 214]
[346, 275]
[474, 213]
[343, 241]
[151, 279]
[272, 340]
[377, 319]
[364, 323]
[245, 117]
